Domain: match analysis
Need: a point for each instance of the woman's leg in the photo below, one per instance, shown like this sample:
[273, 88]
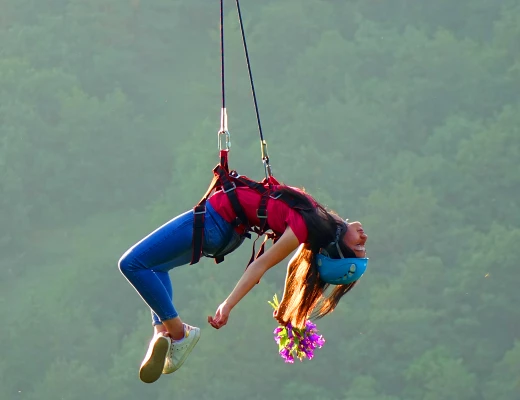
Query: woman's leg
[174, 327]
[167, 283]
[147, 263]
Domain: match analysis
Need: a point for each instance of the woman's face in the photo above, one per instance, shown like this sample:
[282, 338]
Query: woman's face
[355, 238]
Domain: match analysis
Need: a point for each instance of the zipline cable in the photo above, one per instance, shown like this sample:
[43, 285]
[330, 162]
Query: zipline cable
[222, 53]
[224, 142]
[263, 143]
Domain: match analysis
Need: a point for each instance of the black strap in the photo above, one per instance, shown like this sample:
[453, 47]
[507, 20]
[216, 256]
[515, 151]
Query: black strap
[261, 212]
[229, 188]
[255, 256]
[259, 187]
[228, 182]
[272, 236]
[251, 81]
[199, 214]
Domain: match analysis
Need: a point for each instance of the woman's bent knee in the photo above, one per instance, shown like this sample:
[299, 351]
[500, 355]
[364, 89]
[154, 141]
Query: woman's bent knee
[126, 264]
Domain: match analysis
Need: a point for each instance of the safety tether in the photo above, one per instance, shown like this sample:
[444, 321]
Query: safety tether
[224, 142]
[263, 143]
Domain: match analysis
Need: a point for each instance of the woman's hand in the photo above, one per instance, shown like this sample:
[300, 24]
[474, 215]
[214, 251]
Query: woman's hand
[221, 316]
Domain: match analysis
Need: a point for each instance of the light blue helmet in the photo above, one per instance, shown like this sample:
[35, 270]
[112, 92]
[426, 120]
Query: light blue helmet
[334, 268]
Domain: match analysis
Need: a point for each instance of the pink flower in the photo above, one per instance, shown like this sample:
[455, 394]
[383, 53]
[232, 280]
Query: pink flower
[296, 342]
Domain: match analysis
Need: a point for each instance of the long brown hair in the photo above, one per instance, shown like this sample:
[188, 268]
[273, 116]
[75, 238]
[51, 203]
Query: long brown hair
[304, 294]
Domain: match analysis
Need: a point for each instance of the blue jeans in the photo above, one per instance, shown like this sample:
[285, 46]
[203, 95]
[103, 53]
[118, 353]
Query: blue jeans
[146, 264]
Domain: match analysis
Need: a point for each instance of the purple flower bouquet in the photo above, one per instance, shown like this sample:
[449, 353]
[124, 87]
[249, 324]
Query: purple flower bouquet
[296, 342]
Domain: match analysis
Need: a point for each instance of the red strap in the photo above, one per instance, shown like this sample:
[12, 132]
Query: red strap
[272, 180]
[224, 159]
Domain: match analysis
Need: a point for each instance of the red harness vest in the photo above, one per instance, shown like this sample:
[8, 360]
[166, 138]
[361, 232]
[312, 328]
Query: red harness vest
[228, 181]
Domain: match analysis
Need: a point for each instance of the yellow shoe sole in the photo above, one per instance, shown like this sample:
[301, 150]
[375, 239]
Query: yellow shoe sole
[151, 368]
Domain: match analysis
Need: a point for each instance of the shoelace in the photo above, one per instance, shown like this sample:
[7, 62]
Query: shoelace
[170, 352]
[182, 345]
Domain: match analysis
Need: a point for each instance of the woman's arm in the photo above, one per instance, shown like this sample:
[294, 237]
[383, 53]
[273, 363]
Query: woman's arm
[287, 243]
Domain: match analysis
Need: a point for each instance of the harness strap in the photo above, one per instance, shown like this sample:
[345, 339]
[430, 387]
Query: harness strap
[199, 212]
[253, 256]
[261, 211]
[228, 182]
[229, 187]
[224, 159]
[261, 250]
[199, 216]
[274, 237]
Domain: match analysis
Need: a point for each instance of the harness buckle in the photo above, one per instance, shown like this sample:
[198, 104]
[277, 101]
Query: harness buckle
[276, 195]
[261, 216]
[196, 210]
[233, 187]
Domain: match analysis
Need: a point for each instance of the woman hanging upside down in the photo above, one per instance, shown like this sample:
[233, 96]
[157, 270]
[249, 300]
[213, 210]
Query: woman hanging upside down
[331, 251]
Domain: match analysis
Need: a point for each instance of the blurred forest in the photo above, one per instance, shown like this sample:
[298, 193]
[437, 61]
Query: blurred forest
[404, 114]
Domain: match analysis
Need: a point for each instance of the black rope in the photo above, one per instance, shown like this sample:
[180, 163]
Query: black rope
[222, 53]
[250, 74]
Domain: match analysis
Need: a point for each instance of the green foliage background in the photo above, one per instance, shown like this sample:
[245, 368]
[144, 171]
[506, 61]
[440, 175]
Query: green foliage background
[404, 114]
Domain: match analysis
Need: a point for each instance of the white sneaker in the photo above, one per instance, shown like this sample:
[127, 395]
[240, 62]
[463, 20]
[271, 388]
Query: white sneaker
[180, 350]
[153, 363]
